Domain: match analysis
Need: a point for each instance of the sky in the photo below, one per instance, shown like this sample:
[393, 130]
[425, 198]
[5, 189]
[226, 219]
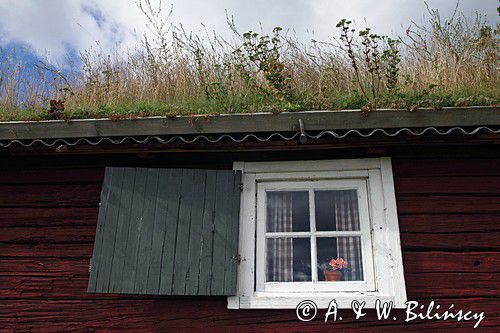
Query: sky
[56, 28]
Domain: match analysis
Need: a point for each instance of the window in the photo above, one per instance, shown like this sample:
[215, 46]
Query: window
[303, 225]
[296, 217]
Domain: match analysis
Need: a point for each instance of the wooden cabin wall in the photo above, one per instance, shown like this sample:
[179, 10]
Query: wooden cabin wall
[449, 214]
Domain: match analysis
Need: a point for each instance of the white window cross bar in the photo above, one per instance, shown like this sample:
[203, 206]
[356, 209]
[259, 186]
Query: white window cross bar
[305, 234]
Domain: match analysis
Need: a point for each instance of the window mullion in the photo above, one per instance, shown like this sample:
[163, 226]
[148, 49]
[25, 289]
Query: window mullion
[312, 219]
[295, 234]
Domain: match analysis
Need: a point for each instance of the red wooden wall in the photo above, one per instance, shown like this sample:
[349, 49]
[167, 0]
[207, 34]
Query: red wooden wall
[449, 213]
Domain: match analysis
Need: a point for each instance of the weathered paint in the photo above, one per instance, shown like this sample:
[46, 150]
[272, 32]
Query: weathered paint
[48, 220]
[150, 236]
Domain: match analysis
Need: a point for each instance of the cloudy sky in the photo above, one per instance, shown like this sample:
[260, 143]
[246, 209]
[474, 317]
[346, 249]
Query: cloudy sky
[56, 27]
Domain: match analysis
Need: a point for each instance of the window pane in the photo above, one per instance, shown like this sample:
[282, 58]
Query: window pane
[287, 211]
[347, 248]
[337, 210]
[288, 259]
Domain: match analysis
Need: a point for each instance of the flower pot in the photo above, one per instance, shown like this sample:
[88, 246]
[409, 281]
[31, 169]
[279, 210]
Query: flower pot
[332, 275]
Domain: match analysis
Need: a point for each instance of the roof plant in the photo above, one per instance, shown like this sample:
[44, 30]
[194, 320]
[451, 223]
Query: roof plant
[450, 61]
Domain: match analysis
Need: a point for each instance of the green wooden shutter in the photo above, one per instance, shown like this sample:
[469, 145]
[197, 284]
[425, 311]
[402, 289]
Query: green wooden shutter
[167, 232]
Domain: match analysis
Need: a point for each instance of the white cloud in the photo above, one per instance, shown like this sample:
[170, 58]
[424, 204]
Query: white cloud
[53, 26]
[50, 27]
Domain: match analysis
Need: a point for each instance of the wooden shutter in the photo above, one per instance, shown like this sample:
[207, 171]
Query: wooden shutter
[167, 232]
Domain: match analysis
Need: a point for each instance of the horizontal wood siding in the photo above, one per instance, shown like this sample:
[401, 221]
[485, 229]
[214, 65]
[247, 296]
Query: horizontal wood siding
[449, 213]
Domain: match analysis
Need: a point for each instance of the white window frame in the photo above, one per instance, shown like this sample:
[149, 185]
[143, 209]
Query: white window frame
[382, 259]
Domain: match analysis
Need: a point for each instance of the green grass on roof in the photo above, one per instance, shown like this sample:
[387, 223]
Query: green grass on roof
[447, 62]
[135, 109]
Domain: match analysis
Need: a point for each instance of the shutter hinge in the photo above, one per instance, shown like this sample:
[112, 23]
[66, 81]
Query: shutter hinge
[90, 265]
[241, 187]
[238, 258]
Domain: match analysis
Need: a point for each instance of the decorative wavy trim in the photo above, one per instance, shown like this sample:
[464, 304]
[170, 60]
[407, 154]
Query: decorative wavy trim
[239, 139]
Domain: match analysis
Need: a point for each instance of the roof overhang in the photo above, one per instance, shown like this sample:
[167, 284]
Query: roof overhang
[251, 123]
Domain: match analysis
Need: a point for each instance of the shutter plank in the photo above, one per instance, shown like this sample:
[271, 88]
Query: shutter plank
[207, 234]
[228, 253]
[222, 216]
[94, 263]
[147, 229]
[232, 266]
[122, 230]
[183, 229]
[173, 184]
[160, 227]
[109, 232]
[194, 253]
[134, 232]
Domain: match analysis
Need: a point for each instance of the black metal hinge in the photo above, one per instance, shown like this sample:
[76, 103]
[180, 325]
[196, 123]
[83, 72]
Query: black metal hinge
[238, 258]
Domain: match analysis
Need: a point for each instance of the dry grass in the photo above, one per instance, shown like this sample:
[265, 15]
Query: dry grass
[452, 62]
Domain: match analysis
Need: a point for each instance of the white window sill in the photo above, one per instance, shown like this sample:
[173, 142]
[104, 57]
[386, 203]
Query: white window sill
[343, 300]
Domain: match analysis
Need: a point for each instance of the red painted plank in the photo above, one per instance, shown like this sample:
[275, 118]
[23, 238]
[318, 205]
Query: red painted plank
[91, 175]
[449, 223]
[58, 234]
[48, 216]
[62, 267]
[53, 287]
[433, 204]
[454, 262]
[457, 284]
[42, 287]
[448, 242]
[433, 185]
[446, 167]
[49, 195]
[42, 250]
[79, 314]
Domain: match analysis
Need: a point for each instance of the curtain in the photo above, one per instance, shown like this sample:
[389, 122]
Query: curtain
[347, 219]
[279, 250]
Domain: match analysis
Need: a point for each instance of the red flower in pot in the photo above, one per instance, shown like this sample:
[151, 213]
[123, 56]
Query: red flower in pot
[334, 269]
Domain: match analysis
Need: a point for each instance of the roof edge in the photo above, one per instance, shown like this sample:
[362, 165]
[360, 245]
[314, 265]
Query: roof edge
[251, 123]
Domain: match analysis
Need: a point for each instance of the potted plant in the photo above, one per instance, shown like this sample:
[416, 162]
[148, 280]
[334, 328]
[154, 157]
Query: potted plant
[334, 269]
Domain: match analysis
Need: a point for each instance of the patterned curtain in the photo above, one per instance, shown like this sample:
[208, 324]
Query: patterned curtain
[347, 219]
[279, 250]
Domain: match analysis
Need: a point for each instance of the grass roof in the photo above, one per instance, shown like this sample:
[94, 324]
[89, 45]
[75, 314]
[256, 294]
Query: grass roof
[448, 62]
